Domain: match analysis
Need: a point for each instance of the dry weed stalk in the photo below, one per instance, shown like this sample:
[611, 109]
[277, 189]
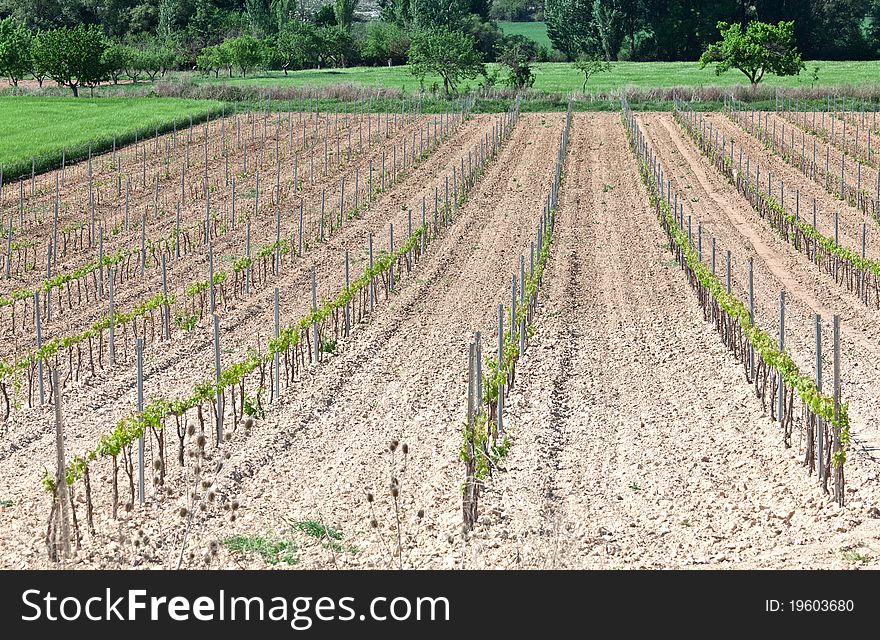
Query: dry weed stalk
[397, 510]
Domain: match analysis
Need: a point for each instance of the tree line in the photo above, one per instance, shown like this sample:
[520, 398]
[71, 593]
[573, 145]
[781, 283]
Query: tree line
[667, 30]
[612, 29]
[452, 39]
[449, 38]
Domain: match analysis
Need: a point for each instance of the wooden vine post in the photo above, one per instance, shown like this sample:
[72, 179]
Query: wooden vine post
[469, 497]
[62, 517]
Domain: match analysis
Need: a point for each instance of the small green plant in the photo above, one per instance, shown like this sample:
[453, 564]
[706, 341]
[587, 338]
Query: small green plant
[253, 404]
[634, 486]
[851, 555]
[328, 345]
[607, 187]
[315, 529]
[186, 321]
[6, 502]
[487, 455]
[272, 551]
[330, 537]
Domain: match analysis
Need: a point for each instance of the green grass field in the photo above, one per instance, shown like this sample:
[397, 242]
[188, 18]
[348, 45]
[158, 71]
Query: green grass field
[536, 31]
[42, 127]
[563, 77]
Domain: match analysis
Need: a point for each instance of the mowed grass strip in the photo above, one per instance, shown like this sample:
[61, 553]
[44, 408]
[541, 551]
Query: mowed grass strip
[563, 77]
[41, 127]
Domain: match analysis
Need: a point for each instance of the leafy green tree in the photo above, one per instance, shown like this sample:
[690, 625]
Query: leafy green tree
[516, 55]
[590, 66]
[296, 45]
[259, 15]
[344, 10]
[114, 59]
[398, 12]
[385, 41]
[431, 14]
[167, 58]
[135, 63]
[449, 54]
[283, 13]
[511, 10]
[72, 57]
[762, 48]
[36, 63]
[156, 60]
[325, 16]
[209, 60]
[488, 38]
[167, 16]
[873, 32]
[570, 27]
[204, 26]
[246, 52]
[15, 50]
[608, 25]
[335, 46]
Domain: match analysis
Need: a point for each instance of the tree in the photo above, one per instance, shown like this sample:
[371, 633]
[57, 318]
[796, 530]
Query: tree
[209, 60]
[517, 52]
[135, 63]
[36, 64]
[335, 46]
[762, 48]
[511, 10]
[608, 25]
[259, 15]
[325, 16]
[296, 45]
[204, 26]
[114, 59]
[153, 63]
[431, 14]
[72, 56]
[246, 52]
[283, 12]
[166, 16]
[385, 42]
[570, 27]
[15, 50]
[399, 12]
[344, 10]
[488, 38]
[449, 54]
[591, 65]
[167, 59]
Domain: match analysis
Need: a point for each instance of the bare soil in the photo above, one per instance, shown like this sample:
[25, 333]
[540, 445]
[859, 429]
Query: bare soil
[635, 440]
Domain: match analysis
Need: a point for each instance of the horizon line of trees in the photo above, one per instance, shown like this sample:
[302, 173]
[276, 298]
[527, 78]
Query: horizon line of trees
[452, 39]
[641, 30]
[443, 39]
